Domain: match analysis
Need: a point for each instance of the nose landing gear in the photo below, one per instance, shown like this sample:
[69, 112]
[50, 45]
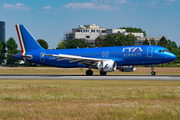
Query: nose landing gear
[153, 72]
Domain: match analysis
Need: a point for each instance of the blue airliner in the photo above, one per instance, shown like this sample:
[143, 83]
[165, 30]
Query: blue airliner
[105, 59]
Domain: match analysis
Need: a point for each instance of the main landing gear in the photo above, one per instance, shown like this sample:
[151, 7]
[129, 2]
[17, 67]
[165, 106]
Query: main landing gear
[152, 73]
[89, 72]
[103, 73]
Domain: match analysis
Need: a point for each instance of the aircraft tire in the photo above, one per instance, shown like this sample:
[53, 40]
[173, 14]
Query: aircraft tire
[103, 73]
[89, 72]
[153, 73]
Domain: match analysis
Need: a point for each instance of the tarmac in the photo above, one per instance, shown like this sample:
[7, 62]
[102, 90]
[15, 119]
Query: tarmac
[94, 77]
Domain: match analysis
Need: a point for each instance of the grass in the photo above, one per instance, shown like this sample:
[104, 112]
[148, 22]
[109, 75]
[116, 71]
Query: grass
[89, 99]
[78, 71]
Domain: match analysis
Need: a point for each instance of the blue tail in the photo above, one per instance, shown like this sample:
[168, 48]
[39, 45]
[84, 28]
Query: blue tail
[26, 40]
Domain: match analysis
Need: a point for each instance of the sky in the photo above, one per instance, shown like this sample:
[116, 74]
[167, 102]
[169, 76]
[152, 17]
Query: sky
[50, 19]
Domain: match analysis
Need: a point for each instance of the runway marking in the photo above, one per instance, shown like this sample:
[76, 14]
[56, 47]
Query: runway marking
[95, 77]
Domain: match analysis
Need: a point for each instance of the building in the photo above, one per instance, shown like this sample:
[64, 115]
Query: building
[2, 31]
[89, 33]
[141, 40]
[85, 32]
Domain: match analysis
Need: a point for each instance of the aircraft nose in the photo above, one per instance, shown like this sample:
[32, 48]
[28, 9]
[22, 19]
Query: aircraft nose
[171, 56]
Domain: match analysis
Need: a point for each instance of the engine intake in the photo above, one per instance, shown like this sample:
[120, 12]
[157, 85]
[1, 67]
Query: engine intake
[107, 66]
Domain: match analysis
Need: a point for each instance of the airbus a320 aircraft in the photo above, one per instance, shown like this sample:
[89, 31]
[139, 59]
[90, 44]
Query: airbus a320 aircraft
[105, 59]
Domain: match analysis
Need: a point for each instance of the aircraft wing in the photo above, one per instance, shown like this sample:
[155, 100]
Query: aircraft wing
[81, 60]
[24, 56]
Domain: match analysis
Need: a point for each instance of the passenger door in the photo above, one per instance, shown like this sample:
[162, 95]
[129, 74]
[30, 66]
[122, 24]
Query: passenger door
[150, 52]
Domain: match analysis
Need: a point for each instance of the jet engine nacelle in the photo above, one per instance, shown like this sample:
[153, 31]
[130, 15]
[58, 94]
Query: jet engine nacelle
[127, 68]
[107, 66]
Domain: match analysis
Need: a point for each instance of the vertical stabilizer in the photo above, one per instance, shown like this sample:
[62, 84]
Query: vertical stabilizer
[26, 40]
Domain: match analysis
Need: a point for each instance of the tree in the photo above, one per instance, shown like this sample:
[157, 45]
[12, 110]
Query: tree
[172, 47]
[12, 48]
[11, 44]
[98, 42]
[4, 46]
[108, 41]
[62, 45]
[2, 51]
[77, 43]
[130, 40]
[120, 40]
[152, 41]
[172, 44]
[163, 42]
[131, 29]
[146, 42]
[43, 43]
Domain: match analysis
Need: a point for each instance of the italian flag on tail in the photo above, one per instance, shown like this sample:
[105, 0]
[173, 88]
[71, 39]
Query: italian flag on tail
[21, 40]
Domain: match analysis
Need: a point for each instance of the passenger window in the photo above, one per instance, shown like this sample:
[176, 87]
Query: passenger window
[144, 51]
[159, 50]
[163, 50]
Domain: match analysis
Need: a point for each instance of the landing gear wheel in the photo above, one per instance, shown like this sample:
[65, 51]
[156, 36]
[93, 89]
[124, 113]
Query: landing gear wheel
[89, 72]
[152, 68]
[153, 73]
[103, 73]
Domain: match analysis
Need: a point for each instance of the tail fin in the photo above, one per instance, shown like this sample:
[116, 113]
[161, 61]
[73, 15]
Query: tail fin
[26, 40]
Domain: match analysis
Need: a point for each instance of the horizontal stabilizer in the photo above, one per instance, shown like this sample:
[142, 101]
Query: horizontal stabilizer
[24, 56]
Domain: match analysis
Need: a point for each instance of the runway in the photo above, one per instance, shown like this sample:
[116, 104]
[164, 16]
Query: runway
[95, 77]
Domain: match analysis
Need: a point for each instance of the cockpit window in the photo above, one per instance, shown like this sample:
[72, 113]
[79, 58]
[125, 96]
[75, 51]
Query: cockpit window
[163, 51]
